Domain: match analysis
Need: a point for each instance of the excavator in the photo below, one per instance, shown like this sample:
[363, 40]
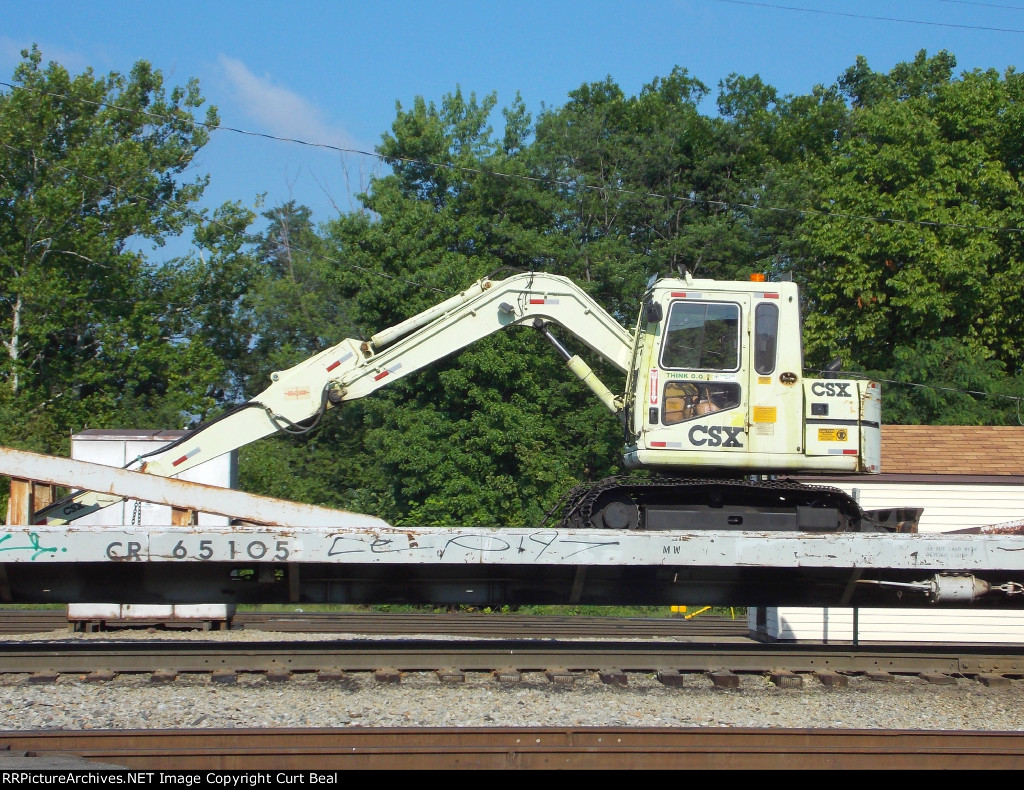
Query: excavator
[715, 408]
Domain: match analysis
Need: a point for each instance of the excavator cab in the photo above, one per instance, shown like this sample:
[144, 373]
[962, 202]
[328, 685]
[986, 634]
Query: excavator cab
[718, 386]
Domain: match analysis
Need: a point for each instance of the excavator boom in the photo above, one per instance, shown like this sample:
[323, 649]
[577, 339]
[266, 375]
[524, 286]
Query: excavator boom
[354, 369]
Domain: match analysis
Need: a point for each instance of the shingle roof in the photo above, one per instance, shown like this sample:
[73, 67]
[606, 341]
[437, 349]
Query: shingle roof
[952, 450]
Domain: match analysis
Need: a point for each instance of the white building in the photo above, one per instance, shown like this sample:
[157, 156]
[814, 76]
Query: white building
[120, 447]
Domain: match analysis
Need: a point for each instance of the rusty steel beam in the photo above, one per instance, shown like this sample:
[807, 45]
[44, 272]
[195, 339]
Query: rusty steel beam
[25, 466]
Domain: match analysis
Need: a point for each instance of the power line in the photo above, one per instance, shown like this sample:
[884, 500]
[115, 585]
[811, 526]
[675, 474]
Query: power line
[543, 181]
[326, 258]
[850, 15]
[199, 217]
[984, 5]
[936, 387]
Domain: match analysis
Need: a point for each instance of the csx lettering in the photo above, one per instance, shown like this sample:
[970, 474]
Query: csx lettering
[831, 389]
[715, 435]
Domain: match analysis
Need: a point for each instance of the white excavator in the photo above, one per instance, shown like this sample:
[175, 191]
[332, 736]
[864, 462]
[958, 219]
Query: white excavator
[715, 406]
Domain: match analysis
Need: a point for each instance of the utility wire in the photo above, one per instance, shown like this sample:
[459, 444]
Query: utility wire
[200, 217]
[542, 181]
[870, 17]
[984, 5]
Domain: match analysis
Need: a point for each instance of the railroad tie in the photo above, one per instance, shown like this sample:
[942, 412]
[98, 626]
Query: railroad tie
[387, 675]
[993, 680]
[508, 675]
[451, 676]
[724, 679]
[938, 679]
[613, 677]
[562, 677]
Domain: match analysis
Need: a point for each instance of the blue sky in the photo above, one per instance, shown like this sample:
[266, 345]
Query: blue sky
[331, 72]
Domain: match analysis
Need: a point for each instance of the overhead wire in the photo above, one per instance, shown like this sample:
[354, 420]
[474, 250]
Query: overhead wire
[956, 390]
[984, 5]
[852, 15]
[541, 180]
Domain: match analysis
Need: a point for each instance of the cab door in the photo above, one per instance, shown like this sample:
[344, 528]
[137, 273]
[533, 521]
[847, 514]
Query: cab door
[697, 383]
[775, 402]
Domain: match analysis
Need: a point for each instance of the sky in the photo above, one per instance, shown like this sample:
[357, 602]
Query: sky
[329, 72]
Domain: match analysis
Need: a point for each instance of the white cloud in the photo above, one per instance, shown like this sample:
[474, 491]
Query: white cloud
[277, 110]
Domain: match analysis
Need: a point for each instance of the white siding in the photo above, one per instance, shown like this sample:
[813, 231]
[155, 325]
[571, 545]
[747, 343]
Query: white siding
[794, 623]
[947, 506]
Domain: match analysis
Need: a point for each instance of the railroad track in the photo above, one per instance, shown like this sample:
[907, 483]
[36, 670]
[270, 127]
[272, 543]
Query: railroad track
[429, 643]
[23, 621]
[268, 752]
[392, 645]
[46, 661]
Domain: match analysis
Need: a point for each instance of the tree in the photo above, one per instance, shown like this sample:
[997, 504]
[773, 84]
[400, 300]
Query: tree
[497, 434]
[291, 308]
[919, 204]
[88, 166]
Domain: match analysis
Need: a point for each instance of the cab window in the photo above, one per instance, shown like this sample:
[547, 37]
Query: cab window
[766, 336]
[686, 400]
[702, 336]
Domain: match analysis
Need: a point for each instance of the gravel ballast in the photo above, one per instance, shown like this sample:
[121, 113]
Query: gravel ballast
[421, 699]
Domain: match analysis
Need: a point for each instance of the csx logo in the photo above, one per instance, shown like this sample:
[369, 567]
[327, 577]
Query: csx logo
[831, 389]
[715, 436]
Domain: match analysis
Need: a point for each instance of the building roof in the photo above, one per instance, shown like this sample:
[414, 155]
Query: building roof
[952, 450]
[128, 435]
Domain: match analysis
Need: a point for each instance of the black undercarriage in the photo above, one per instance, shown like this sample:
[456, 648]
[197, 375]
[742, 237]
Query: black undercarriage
[669, 503]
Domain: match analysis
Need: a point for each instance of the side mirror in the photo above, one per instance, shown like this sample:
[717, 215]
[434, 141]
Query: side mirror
[654, 312]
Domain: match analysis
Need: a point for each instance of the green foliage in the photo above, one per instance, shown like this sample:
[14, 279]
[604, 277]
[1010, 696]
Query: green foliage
[944, 382]
[907, 247]
[619, 188]
[89, 164]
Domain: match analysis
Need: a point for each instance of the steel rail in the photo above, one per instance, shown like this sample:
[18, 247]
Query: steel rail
[269, 751]
[16, 621]
[484, 655]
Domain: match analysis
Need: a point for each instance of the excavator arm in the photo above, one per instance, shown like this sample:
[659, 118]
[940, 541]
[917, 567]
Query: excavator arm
[298, 397]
